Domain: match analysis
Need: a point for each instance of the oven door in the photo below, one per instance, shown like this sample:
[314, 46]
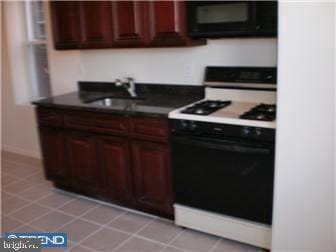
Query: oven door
[221, 18]
[231, 177]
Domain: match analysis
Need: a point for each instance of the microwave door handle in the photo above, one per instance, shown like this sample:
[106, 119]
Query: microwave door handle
[232, 146]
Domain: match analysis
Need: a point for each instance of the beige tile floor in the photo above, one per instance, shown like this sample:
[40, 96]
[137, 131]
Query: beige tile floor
[31, 204]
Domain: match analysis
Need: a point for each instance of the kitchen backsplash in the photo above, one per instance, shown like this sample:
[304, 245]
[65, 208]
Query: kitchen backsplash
[175, 65]
[157, 65]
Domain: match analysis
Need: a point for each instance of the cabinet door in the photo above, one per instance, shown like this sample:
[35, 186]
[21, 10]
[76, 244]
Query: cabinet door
[65, 24]
[115, 162]
[95, 24]
[53, 152]
[129, 23]
[167, 23]
[86, 175]
[152, 178]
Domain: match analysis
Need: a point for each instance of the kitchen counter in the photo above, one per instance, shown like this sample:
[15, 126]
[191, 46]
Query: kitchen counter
[154, 100]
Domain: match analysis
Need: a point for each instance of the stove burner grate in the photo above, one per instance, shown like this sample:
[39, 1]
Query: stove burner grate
[205, 107]
[261, 112]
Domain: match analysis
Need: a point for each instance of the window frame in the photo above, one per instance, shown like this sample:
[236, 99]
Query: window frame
[30, 25]
[30, 43]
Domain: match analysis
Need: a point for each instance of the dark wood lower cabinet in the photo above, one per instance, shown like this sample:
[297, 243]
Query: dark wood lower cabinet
[86, 174]
[114, 160]
[152, 176]
[128, 165]
[54, 155]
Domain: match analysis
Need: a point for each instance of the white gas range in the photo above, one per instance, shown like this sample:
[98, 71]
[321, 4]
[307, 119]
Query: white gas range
[235, 103]
[222, 150]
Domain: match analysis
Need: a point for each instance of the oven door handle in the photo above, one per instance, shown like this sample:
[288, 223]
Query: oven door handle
[226, 145]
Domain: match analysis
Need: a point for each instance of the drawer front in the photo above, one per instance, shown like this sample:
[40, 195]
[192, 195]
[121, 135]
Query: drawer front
[49, 117]
[96, 122]
[149, 128]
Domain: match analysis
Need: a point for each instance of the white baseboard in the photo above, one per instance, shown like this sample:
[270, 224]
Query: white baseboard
[223, 226]
[20, 151]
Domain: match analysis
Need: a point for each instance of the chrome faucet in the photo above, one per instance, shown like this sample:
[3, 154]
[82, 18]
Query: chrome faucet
[129, 84]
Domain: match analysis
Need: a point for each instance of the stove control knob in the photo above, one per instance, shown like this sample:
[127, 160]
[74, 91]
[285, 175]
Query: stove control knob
[257, 132]
[183, 125]
[192, 126]
[246, 131]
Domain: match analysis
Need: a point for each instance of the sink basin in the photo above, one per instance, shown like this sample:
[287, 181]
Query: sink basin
[113, 101]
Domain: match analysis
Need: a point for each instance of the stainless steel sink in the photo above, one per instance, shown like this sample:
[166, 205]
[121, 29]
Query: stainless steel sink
[112, 101]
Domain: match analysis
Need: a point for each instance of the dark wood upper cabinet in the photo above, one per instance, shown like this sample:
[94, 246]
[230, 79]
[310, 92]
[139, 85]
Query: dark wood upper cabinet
[152, 176]
[167, 23]
[65, 24]
[113, 24]
[114, 158]
[95, 24]
[129, 23]
[53, 152]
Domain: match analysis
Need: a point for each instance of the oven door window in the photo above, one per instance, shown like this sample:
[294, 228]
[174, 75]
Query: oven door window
[228, 177]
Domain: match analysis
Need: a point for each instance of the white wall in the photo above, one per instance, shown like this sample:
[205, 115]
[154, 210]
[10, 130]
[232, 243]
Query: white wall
[176, 65]
[17, 48]
[304, 215]
[18, 127]
[159, 65]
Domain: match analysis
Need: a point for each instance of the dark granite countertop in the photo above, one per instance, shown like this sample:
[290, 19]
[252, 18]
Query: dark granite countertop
[154, 99]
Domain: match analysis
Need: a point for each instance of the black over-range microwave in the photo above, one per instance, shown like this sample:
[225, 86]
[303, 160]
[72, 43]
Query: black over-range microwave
[216, 19]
